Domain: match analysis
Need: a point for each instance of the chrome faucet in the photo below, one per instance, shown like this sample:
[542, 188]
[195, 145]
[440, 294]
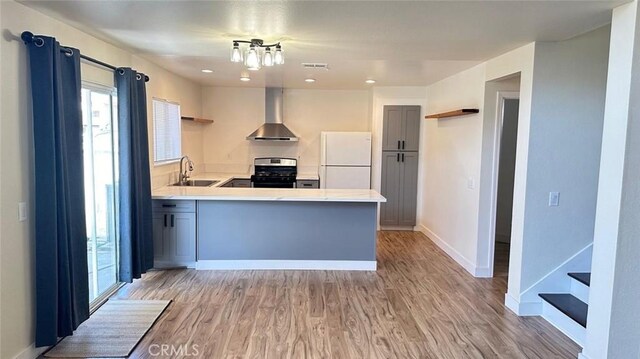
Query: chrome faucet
[185, 171]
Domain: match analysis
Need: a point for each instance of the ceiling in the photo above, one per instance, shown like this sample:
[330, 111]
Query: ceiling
[397, 43]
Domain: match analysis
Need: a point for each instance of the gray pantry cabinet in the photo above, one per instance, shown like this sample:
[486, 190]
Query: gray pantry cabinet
[401, 128]
[174, 233]
[401, 141]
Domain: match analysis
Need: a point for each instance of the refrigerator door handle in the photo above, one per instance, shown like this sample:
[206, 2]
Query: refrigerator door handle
[403, 157]
[398, 144]
[403, 144]
[398, 157]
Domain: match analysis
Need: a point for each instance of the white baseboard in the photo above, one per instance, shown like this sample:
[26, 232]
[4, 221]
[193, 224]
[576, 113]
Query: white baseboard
[285, 265]
[31, 352]
[453, 253]
[583, 356]
[173, 265]
[522, 309]
[482, 272]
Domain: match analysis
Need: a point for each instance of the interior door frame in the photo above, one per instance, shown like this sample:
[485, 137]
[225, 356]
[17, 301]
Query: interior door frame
[499, 120]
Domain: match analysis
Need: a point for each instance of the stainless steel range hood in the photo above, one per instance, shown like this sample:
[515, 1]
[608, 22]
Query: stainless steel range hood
[273, 128]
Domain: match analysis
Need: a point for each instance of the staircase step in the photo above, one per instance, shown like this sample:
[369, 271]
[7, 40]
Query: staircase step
[571, 306]
[584, 278]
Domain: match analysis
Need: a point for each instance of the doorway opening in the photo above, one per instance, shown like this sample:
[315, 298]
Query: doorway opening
[99, 108]
[508, 107]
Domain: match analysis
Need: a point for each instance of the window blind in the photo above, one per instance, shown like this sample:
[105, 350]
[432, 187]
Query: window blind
[167, 134]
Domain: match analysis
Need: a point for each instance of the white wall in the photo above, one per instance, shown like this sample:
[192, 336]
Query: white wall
[169, 86]
[452, 155]
[458, 158]
[564, 150]
[613, 323]
[239, 111]
[16, 246]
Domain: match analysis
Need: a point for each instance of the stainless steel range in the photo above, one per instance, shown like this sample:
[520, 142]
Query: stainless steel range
[272, 172]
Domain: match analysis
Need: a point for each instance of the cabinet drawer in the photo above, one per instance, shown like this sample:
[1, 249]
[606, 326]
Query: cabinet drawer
[308, 184]
[173, 205]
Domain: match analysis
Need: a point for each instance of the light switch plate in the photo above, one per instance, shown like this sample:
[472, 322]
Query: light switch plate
[471, 183]
[554, 199]
[22, 211]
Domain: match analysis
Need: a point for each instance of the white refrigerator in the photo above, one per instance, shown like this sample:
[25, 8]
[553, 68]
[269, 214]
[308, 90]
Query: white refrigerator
[345, 160]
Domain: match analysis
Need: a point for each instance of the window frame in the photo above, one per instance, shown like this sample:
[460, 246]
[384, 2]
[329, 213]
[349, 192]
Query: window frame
[173, 160]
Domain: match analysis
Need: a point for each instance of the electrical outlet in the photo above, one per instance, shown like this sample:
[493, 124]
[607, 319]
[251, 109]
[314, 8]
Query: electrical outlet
[554, 199]
[22, 211]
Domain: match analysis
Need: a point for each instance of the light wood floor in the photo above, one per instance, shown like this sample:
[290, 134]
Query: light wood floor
[419, 304]
[501, 259]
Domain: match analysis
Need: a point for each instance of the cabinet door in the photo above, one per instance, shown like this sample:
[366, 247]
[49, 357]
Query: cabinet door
[159, 228]
[408, 189]
[390, 188]
[411, 128]
[182, 238]
[392, 128]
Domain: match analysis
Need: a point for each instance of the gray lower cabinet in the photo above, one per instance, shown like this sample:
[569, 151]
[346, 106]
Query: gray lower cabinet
[174, 233]
[400, 188]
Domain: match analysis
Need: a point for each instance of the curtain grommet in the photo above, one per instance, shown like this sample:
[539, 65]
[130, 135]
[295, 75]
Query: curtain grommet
[38, 41]
[68, 53]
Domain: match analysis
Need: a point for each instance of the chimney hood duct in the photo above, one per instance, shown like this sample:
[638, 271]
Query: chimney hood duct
[273, 128]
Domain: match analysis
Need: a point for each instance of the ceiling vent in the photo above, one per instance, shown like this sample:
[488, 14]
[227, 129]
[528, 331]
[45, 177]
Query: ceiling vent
[315, 65]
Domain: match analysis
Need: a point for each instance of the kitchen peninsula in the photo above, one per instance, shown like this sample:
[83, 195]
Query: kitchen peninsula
[266, 228]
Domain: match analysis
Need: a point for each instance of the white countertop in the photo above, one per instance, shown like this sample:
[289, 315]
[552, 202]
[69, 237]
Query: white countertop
[217, 193]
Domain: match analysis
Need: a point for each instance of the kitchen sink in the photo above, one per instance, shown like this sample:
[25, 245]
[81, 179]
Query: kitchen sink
[195, 183]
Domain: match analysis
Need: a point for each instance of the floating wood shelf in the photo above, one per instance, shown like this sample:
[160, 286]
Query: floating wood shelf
[198, 120]
[463, 112]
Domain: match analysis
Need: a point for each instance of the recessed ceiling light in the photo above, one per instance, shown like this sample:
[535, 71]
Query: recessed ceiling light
[207, 71]
[370, 81]
[310, 80]
[245, 79]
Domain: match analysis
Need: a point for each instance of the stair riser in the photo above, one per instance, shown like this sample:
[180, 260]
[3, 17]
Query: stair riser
[580, 290]
[568, 326]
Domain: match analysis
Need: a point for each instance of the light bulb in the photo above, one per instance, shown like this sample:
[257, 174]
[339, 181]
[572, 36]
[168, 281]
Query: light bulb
[236, 54]
[278, 58]
[252, 59]
[267, 59]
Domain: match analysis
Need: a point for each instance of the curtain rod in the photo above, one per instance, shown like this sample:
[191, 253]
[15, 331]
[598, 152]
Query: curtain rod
[28, 37]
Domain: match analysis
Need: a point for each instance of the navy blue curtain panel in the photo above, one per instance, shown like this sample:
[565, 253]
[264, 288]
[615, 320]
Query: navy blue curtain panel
[62, 281]
[135, 217]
